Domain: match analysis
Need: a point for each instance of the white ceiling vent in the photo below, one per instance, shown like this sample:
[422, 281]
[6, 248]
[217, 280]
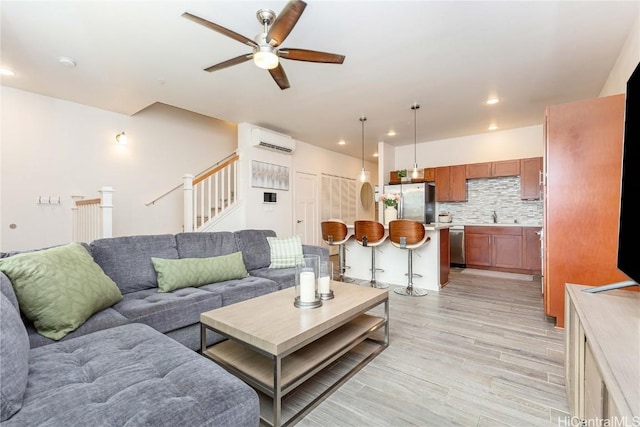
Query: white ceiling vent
[272, 141]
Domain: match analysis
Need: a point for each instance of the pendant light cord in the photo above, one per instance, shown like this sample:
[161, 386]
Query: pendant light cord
[415, 107]
[362, 120]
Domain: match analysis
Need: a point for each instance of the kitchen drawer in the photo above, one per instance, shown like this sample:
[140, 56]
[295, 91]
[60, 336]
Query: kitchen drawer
[478, 229]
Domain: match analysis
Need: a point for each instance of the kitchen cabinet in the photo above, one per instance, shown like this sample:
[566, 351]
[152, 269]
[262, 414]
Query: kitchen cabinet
[503, 248]
[583, 160]
[505, 168]
[479, 170]
[531, 178]
[532, 256]
[493, 169]
[429, 174]
[451, 183]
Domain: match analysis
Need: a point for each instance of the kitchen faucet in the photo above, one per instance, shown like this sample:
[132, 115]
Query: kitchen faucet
[495, 217]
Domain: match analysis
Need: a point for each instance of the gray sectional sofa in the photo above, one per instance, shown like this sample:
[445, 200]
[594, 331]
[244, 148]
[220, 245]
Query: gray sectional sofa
[120, 367]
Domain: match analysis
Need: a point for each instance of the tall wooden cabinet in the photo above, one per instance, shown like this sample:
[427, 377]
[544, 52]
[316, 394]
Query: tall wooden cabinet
[583, 154]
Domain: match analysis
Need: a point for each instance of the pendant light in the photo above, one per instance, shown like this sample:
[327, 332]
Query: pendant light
[415, 108]
[363, 173]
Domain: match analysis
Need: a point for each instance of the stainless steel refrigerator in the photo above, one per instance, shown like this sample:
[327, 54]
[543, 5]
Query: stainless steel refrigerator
[417, 201]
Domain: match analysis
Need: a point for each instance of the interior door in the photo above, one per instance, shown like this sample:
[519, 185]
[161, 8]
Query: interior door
[306, 223]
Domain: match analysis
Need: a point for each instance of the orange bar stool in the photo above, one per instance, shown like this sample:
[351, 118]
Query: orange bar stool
[408, 234]
[335, 233]
[371, 234]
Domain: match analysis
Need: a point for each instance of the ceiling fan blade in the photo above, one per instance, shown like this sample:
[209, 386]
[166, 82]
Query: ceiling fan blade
[311, 56]
[285, 22]
[280, 77]
[220, 29]
[238, 60]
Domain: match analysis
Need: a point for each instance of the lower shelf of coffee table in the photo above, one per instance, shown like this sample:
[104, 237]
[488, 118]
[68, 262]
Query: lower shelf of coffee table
[299, 365]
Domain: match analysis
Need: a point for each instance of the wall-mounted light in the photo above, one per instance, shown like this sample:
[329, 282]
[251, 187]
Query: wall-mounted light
[121, 138]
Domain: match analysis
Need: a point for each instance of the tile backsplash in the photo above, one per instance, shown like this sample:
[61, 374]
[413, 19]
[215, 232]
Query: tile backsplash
[502, 195]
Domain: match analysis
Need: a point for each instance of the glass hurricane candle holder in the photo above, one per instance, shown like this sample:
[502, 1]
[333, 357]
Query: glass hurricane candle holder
[324, 280]
[306, 282]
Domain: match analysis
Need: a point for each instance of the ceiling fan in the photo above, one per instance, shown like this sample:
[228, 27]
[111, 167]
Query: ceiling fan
[266, 51]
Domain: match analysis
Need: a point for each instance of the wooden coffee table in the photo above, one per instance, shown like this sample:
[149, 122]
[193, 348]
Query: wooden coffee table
[275, 347]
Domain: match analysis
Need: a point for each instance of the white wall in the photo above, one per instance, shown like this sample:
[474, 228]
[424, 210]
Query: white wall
[306, 158]
[625, 64]
[491, 146]
[52, 147]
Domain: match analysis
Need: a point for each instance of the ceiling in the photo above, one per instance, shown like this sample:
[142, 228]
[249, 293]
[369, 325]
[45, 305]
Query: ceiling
[448, 56]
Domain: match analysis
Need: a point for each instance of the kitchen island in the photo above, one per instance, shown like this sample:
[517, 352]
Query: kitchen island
[431, 261]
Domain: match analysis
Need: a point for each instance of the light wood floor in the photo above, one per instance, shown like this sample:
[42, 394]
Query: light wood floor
[480, 352]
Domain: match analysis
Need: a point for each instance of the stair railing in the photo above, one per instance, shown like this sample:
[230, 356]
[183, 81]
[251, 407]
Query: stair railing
[92, 218]
[210, 194]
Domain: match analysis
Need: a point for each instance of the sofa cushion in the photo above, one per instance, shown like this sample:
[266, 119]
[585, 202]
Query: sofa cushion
[255, 248]
[131, 375]
[285, 277]
[188, 272]
[286, 252]
[104, 319]
[127, 260]
[167, 311]
[14, 359]
[6, 288]
[233, 291]
[59, 288]
[205, 245]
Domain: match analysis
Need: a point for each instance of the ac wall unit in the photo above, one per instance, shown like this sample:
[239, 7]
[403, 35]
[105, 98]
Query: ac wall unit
[272, 141]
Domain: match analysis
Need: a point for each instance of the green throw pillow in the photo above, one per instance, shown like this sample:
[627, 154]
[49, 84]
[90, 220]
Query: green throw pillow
[59, 288]
[286, 252]
[186, 272]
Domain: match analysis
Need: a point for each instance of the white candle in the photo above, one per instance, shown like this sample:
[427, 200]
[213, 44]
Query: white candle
[324, 285]
[307, 286]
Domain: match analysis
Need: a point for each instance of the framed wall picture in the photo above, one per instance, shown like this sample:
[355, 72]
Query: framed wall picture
[268, 175]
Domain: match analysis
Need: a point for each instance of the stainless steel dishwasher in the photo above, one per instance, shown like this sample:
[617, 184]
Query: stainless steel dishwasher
[456, 245]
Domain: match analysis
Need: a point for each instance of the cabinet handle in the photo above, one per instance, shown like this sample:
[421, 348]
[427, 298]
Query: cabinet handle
[540, 178]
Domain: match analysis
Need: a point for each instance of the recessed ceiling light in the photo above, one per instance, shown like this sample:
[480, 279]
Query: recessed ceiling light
[341, 142]
[492, 101]
[67, 62]
[492, 127]
[391, 133]
[6, 72]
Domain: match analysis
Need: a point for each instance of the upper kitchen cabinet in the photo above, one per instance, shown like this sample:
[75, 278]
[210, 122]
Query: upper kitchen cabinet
[493, 169]
[583, 158]
[429, 174]
[451, 183]
[531, 178]
[479, 170]
[505, 168]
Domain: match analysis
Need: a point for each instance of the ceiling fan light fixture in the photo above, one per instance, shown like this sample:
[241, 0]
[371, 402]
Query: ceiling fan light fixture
[265, 59]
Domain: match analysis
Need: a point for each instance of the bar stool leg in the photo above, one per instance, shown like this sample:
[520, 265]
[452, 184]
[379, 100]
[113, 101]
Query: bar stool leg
[373, 282]
[410, 290]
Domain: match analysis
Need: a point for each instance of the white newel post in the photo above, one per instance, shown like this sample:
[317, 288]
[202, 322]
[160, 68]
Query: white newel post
[188, 202]
[106, 205]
